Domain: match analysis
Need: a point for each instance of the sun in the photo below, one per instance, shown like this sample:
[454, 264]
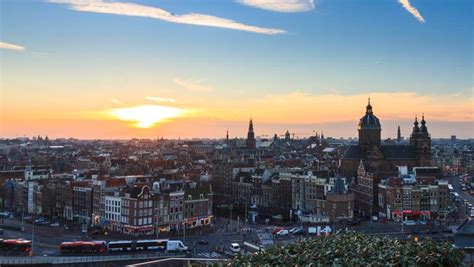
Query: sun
[146, 116]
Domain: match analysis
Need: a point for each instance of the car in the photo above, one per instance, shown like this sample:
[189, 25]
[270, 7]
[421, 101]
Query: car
[276, 230]
[56, 224]
[409, 222]
[1, 231]
[353, 222]
[44, 223]
[299, 232]
[234, 247]
[292, 230]
[326, 230]
[282, 232]
[203, 242]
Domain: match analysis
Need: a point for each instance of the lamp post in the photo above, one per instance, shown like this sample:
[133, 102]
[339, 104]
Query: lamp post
[33, 239]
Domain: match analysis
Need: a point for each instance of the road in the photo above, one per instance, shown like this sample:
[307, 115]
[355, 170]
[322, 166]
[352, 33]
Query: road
[454, 181]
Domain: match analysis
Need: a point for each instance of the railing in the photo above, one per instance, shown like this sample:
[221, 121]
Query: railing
[83, 259]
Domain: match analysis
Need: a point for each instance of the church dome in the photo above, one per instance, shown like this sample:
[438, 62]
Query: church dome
[369, 120]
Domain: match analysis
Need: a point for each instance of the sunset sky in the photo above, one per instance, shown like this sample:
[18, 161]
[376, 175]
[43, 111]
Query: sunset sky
[195, 68]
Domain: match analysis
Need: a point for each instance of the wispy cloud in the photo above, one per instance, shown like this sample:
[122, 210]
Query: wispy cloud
[132, 9]
[4, 45]
[193, 86]
[281, 5]
[160, 99]
[406, 4]
[115, 101]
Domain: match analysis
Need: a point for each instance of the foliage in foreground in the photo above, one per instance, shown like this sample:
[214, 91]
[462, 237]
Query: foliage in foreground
[356, 249]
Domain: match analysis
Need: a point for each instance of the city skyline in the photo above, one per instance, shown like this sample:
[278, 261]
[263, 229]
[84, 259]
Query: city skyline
[146, 69]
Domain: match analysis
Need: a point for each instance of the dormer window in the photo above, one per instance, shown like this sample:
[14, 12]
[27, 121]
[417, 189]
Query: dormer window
[201, 196]
[190, 197]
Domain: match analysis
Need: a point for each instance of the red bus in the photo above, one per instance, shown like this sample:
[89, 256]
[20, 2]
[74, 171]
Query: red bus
[83, 247]
[15, 246]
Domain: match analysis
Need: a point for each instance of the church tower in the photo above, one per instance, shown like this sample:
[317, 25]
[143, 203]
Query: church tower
[421, 139]
[251, 142]
[399, 135]
[369, 129]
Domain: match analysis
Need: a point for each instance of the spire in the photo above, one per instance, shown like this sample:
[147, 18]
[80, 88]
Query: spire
[227, 135]
[322, 135]
[399, 134]
[250, 125]
[416, 129]
[423, 128]
[368, 108]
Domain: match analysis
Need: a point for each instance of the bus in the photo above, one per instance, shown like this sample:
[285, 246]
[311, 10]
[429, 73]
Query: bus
[151, 245]
[15, 247]
[83, 247]
[122, 245]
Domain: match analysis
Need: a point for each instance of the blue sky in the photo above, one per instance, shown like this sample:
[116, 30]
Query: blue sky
[337, 47]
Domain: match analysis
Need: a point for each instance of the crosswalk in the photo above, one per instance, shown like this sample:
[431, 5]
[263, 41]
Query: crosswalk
[209, 254]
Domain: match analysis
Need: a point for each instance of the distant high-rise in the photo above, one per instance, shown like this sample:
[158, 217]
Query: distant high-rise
[251, 142]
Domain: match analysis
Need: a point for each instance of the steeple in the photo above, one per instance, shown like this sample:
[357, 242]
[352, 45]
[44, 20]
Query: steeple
[322, 135]
[368, 109]
[416, 129]
[227, 136]
[251, 143]
[423, 128]
[399, 134]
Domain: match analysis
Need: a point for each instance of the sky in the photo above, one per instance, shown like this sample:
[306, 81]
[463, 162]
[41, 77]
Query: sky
[181, 69]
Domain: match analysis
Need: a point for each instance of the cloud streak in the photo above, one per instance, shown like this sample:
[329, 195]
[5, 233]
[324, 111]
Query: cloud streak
[287, 6]
[9, 46]
[406, 4]
[160, 99]
[132, 9]
[193, 86]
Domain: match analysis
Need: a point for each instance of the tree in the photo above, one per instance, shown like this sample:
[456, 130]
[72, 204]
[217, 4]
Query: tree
[356, 249]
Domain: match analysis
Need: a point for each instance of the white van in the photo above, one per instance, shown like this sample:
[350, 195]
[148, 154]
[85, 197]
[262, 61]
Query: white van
[175, 245]
[234, 247]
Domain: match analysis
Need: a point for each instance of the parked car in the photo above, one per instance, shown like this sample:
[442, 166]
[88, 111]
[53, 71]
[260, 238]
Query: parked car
[326, 230]
[38, 221]
[292, 230]
[299, 232]
[203, 242]
[353, 222]
[282, 232]
[234, 247]
[56, 224]
[276, 230]
[44, 223]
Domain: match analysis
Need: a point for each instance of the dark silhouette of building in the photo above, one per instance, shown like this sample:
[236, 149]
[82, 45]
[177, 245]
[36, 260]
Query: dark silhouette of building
[382, 160]
[251, 142]
[399, 134]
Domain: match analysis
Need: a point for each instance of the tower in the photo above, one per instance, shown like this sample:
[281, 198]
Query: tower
[369, 129]
[287, 136]
[421, 139]
[251, 143]
[227, 136]
[399, 135]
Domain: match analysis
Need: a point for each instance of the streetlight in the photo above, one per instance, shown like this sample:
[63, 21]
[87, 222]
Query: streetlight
[33, 239]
